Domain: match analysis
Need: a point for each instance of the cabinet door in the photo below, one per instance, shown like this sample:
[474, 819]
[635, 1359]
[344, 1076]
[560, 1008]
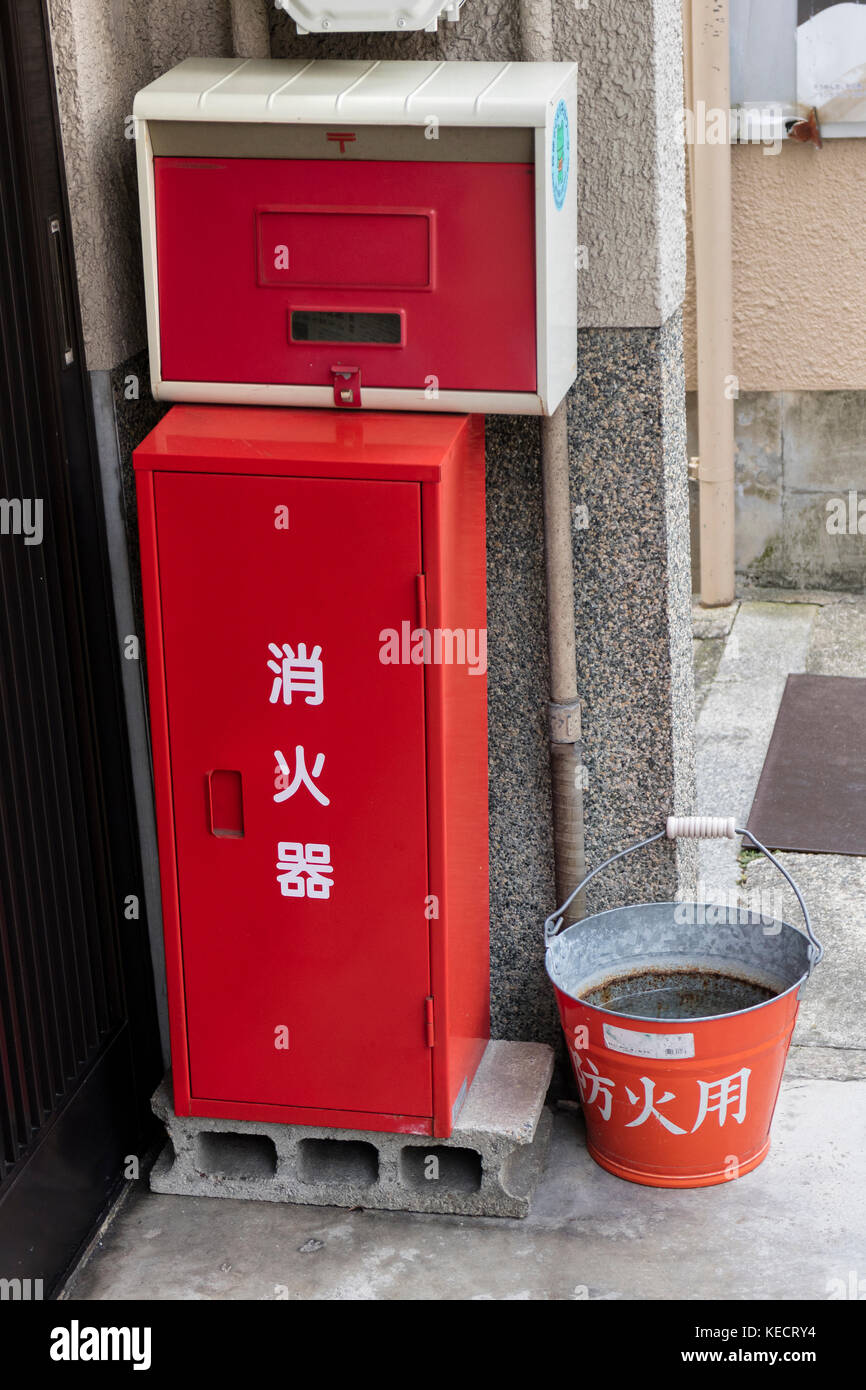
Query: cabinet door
[298, 780]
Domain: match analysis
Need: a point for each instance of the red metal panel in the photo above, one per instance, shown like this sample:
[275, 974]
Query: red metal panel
[343, 969]
[358, 248]
[162, 790]
[472, 327]
[454, 551]
[309, 443]
[310, 1115]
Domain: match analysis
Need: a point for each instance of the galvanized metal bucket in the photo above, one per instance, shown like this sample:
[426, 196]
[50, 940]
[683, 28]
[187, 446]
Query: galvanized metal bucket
[678, 1018]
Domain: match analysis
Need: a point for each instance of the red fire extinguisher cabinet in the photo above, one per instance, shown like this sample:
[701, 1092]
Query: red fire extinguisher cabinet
[314, 595]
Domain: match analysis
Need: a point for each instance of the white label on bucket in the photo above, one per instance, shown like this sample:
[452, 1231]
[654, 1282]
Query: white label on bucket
[649, 1044]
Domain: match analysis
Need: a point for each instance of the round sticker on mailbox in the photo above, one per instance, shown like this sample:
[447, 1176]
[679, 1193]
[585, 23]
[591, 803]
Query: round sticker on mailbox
[560, 152]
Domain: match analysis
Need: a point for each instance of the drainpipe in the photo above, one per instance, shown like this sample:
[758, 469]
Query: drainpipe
[251, 33]
[708, 65]
[566, 763]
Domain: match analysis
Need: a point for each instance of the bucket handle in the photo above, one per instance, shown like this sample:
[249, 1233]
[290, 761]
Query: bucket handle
[697, 828]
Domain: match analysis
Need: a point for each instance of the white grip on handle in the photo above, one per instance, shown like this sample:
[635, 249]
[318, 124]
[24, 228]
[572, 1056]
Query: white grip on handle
[701, 827]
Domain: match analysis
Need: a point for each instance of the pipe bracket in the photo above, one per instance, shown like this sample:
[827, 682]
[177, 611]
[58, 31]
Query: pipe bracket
[564, 722]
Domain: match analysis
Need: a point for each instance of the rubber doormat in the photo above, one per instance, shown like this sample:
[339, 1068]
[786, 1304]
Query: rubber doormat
[812, 792]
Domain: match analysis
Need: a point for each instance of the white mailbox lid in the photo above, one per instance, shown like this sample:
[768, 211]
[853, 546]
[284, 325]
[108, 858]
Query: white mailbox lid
[315, 91]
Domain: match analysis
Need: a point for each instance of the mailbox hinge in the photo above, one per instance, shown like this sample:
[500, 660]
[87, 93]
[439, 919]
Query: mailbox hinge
[347, 386]
[428, 1019]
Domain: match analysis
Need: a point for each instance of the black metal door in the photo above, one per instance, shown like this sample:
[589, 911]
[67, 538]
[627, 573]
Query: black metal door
[78, 1041]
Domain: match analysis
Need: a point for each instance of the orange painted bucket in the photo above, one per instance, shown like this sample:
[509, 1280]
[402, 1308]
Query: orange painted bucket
[678, 1018]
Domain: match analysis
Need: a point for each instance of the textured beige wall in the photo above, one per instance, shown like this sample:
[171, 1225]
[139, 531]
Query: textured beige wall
[799, 269]
[104, 51]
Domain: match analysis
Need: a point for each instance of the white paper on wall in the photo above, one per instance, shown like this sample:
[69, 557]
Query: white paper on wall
[831, 59]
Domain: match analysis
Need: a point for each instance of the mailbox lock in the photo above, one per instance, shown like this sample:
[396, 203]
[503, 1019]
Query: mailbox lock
[347, 387]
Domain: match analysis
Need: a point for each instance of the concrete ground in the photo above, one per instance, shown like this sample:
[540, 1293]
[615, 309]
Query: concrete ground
[793, 1229]
[743, 655]
[787, 1231]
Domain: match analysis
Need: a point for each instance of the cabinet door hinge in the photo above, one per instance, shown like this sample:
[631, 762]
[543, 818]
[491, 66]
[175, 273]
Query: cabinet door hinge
[428, 1019]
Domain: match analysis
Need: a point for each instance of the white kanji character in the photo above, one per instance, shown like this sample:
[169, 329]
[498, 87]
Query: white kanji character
[596, 1084]
[649, 1106]
[301, 776]
[296, 671]
[303, 870]
[732, 1090]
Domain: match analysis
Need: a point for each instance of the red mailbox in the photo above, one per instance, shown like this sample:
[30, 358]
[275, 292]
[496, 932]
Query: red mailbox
[361, 234]
[314, 589]
[346, 272]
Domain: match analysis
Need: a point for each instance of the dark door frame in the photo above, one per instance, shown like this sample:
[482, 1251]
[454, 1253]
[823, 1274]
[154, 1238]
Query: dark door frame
[68, 1132]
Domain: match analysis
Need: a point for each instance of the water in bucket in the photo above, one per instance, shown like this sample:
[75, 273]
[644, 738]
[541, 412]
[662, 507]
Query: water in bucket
[658, 993]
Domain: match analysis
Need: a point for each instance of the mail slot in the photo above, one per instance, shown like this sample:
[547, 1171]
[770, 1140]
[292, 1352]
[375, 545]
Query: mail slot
[343, 326]
[410, 224]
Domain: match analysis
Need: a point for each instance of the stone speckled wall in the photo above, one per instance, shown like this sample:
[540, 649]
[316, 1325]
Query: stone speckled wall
[626, 422]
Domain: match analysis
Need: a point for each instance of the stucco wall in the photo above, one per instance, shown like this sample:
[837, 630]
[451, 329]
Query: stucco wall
[104, 51]
[799, 269]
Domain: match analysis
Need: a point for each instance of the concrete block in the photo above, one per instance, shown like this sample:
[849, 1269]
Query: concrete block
[758, 425]
[759, 477]
[767, 641]
[825, 1064]
[797, 452]
[709, 623]
[812, 555]
[825, 440]
[706, 654]
[488, 1167]
[758, 419]
[838, 645]
[831, 1009]
[749, 591]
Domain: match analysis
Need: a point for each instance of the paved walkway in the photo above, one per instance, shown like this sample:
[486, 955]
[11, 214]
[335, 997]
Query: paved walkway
[743, 656]
[795, 1228]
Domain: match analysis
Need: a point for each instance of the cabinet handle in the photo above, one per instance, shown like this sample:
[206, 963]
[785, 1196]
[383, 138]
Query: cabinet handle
[421, 599]
[225, 803]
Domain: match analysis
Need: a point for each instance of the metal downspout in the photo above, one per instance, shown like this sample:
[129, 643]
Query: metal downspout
[566, 760]
[708, 66]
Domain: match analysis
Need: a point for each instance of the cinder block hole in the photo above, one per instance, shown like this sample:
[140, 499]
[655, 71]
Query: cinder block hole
[458, 1170]
[338, 1160]
[237, 1155]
